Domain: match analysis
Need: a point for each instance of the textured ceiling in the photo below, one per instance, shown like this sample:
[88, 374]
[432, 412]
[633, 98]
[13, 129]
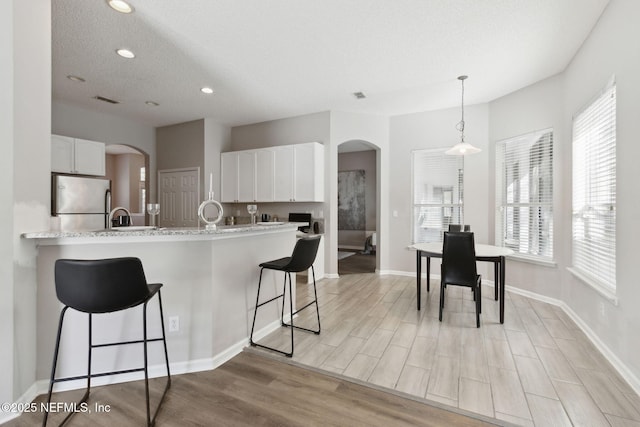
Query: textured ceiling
[269, 59]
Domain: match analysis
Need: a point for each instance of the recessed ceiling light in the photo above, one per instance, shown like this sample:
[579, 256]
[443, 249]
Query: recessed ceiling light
[76, 78]
[152, 104]
[359, 95]
[126, 53]
[120, 5]
[206, 90]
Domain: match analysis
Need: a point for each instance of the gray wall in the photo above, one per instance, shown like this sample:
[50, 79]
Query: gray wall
[293, 130]
[436, 129]
[361, 160]
[181, 146]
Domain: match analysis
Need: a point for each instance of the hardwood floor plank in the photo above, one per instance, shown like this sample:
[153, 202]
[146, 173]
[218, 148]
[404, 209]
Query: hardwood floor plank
[534, 378]
[556, 365]
[608, 398]
[413, 380]
[475, 396]
[344, 353]
[444, 377]
[389, 367]
[547, 412]
[581, 409]
[520, 344]
[377, 343]
[361, 367]
[422, 353]
[508, 396]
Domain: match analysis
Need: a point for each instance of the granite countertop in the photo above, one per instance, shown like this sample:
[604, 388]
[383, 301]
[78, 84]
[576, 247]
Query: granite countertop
[163, 233]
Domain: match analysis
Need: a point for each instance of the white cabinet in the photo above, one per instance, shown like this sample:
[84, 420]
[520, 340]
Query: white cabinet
[246, 176]
[238, 176]
[229, 177]
[288, 173]
[299, 173]
[78, 156]
[283, 174]
[264, 175]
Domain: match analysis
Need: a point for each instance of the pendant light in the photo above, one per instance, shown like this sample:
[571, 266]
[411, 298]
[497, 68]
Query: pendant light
[462, 148]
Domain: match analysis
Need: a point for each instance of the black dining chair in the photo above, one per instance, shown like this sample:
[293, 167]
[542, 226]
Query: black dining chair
[459, 267]
[302, 258]
[458, 227]
[106, 286]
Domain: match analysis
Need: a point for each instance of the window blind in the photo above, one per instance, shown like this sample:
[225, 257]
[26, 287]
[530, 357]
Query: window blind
[437, 193]
[524, 194]
[594, 190]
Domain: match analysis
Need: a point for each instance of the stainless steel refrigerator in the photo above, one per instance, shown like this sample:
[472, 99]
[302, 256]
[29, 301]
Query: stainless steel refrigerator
[81, 203]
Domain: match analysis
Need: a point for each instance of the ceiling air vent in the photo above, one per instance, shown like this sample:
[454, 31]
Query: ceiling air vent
[102, 98]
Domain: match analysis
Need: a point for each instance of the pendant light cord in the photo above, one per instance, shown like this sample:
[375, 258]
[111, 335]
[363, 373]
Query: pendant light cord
[460, 125]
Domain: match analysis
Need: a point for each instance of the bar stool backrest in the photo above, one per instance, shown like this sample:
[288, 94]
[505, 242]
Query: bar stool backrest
[304, 254]
[459, 258]
[100, 286]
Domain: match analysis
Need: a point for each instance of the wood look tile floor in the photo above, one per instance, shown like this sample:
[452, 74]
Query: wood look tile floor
[536, 369]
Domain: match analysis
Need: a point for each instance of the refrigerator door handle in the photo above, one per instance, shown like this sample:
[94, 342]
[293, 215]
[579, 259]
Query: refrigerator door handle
[107, 207]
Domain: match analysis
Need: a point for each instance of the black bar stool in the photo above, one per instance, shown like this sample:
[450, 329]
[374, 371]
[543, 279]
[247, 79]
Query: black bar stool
[105, 286]
[302, 258]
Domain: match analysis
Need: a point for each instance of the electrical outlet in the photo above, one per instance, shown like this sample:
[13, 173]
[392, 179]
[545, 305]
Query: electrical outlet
[174, 324]
[602, 313]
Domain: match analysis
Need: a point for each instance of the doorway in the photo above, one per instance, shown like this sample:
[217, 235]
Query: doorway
[178, 195]
[358, 201]
[127, 167]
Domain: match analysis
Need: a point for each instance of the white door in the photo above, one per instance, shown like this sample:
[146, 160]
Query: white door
[179, 197]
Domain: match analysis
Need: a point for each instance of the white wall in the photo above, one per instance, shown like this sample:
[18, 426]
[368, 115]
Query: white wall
[536, 107]
[437, 129]
[7, 47]
[610, 50]
[552, 103]
[25, 107]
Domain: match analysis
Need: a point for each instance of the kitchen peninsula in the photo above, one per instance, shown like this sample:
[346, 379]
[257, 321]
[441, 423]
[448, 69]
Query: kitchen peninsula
[210, 282]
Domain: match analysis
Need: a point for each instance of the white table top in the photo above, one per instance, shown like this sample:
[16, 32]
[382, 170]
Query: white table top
[435, 248]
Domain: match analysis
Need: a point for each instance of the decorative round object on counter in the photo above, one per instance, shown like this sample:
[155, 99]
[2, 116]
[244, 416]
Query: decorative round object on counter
[211, 224]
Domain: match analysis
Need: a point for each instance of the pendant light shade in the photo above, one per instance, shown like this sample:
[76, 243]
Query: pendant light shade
[462, 148]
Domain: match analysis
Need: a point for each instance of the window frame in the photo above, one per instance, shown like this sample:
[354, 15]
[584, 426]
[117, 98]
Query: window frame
[605, 286]
[503, 205]
[455, 209]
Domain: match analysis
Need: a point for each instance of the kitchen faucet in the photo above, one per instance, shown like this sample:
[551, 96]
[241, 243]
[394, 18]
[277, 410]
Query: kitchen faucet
[119, 208]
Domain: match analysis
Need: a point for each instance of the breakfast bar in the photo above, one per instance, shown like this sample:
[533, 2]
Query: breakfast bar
[210, 280]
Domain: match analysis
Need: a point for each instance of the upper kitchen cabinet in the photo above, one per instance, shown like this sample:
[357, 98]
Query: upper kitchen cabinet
[77, 156]
[238, 176]
[299, 173]
[288, 173]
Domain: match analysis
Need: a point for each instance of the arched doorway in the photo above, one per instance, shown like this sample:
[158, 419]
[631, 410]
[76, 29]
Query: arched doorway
[128, 169]
[358, 207]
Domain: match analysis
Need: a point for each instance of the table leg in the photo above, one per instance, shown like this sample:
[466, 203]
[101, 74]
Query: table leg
[418, 274]
[496, 278]
[502, 287]
[428, 272]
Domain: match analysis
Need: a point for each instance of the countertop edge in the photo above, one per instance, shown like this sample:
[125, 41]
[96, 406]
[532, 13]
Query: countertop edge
[157, 235]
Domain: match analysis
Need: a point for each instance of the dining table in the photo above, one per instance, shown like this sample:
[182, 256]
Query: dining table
[488, 253]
